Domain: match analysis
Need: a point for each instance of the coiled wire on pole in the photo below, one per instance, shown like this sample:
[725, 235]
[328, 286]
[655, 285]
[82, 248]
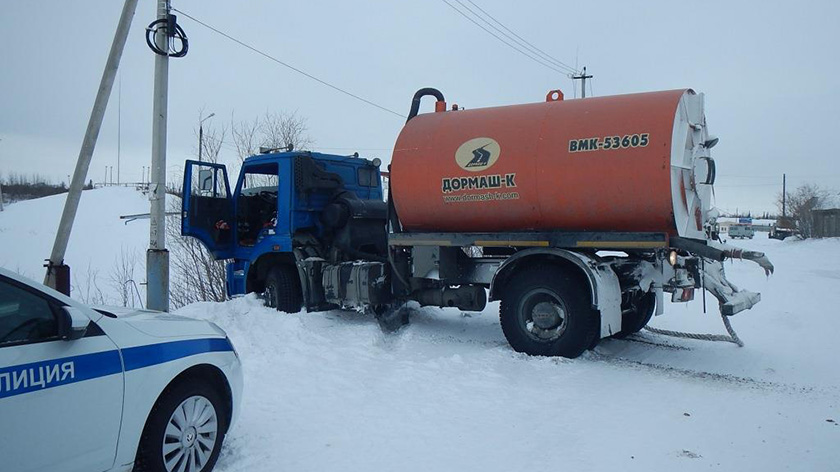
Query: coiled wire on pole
[173, 31]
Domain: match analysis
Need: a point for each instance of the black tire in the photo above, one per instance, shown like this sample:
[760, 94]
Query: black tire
[282, 289]
[150, 457]
[633, 321]
[568, 325]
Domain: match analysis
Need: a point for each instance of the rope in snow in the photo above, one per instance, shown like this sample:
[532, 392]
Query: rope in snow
[731, 338]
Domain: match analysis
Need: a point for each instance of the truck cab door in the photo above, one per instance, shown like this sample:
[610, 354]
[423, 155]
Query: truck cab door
[207, 207]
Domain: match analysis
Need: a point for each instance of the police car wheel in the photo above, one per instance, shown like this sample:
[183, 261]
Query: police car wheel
[184, 431]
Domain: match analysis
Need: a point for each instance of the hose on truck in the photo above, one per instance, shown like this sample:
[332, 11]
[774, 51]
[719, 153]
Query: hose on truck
[731, 338]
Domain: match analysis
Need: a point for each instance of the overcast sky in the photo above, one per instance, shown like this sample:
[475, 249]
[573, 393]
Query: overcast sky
[769, 71]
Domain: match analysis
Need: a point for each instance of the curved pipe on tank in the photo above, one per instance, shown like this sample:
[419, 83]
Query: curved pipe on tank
[415, 102]
[393, 219]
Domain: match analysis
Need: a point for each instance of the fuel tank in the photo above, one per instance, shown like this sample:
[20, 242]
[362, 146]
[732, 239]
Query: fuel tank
[637, 162]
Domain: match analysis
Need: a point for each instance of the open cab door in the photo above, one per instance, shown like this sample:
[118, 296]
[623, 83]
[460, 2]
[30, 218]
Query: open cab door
[207, 207]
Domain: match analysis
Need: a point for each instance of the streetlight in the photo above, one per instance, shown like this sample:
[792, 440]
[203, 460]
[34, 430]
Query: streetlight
[201, 134]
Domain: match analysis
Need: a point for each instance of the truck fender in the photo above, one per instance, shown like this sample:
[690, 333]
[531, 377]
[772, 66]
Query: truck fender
[603, 283]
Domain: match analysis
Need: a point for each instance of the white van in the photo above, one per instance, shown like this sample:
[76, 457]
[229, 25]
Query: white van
[737, 231]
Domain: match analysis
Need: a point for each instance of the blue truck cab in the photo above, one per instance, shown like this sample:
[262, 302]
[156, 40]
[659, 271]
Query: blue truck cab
[286, 208]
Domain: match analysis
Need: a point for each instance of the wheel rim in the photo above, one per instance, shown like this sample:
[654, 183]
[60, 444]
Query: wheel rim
[543, 316]
[190, 435]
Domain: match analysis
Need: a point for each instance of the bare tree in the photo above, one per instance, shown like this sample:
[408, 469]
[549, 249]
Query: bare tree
[245, 135]
[799, 205]
[122, 278]
[284, 129]
[86, 287]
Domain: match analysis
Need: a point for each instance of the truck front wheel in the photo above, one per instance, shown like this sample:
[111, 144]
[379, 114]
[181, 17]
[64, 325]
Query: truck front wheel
[282, 289]
[546, 312]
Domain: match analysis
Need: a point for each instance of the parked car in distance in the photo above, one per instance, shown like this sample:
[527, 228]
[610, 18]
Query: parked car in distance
[739, 231]
[85, 389]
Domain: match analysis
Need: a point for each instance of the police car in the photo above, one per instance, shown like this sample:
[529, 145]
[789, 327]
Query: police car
[96, 390]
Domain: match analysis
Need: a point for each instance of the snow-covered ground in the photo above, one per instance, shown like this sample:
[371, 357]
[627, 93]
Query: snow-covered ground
[329, 391]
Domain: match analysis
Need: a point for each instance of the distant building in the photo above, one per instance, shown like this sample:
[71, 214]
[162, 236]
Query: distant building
[827, 218]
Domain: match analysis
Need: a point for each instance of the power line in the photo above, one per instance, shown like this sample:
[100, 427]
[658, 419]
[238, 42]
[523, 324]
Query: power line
[508, 44]
[284, 64]
[522, 41]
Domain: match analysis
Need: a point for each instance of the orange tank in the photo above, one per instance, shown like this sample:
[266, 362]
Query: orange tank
[636, 162]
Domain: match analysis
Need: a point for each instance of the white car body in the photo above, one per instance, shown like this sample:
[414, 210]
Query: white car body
[82, 405]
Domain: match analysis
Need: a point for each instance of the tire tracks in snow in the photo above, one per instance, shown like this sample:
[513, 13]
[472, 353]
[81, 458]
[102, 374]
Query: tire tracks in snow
[716, 377]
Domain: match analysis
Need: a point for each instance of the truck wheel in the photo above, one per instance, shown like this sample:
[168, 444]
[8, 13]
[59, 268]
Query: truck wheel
[546, 312]
[282, 289]
[184, 431]
[633, 321]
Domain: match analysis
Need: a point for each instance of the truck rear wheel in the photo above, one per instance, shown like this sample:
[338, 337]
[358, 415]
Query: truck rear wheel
[633, 321]
[282, 289]
[546, 312]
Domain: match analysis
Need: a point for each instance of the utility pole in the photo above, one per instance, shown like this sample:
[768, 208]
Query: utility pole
[784, 195]
[157, 257]
[1, 194]
[582, 77]
[58, 273]
[201, 133]
[119, 124]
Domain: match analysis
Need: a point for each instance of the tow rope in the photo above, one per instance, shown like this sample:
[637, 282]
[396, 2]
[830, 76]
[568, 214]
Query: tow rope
[731, 338]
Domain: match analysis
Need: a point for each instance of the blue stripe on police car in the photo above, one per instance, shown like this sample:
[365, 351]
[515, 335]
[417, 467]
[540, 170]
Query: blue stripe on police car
[25, 378]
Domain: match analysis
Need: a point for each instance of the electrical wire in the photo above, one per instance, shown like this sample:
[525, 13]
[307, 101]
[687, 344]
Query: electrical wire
[177, 33]
[508, 44]
[289, 66]
[523, 42]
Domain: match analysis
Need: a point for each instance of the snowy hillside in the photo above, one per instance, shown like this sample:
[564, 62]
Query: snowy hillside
[98, 242]
[331, 392]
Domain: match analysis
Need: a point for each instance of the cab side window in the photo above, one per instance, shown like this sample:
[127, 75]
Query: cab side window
[24, 316]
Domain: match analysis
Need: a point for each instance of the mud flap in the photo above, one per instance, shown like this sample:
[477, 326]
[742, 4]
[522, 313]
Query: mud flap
[392, 317]
[732, 300]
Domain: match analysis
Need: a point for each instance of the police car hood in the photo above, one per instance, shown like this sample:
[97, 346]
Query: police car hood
[162, 325]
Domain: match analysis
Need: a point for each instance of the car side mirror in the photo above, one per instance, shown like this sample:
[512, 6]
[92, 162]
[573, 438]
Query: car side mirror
[74, 324]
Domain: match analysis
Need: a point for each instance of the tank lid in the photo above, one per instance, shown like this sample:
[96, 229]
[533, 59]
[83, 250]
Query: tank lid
[554, 95]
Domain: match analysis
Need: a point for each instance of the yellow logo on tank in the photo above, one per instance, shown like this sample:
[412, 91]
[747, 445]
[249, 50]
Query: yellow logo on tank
[478, 154]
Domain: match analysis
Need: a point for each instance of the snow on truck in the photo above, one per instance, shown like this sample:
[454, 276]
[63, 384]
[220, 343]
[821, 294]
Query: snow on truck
[579, 215]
